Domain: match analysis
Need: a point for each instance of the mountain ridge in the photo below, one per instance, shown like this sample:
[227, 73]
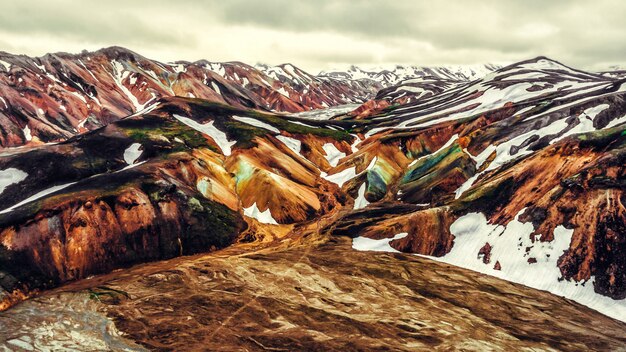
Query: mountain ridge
[44, 88]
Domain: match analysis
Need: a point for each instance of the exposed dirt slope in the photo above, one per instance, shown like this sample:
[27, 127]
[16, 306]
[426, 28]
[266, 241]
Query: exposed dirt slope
[324, 296]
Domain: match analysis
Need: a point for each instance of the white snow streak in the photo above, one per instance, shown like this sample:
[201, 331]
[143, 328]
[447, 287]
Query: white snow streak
[360, 202]
[216, 88]
[264, 217]
[291, 143]
[256, 123]
[41, 194]
[11, 176]
[382, 245]
[218, 136]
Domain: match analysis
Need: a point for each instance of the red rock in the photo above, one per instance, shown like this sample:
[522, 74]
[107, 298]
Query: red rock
[485, 253]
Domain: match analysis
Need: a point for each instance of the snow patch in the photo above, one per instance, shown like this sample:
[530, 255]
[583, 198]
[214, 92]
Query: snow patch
[119, 75]
[41, 194]
[6, 65]
[216, 67]
[348, 174]
[503, 150]
[132, 153]
[585, 121]
[256, 123]
[508, 247]
[360, 202]
[179, 68]
[341, 177]
[79, 96]
[11, 176]
[282, 91]
[218, 136]
[382, 245]
[333, 155]
[146, 110]
[27, 134]
[81, 123]
[509, 244]
[291, 143]
[411, 89]
[216, 88]
[42, 68]
[354, 144]
[264, 217]
[616, 122]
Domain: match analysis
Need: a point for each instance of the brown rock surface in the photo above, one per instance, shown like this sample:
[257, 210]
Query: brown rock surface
[325, 296]
[371, 107]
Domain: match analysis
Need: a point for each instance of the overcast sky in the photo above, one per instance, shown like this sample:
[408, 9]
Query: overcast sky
[322, 34]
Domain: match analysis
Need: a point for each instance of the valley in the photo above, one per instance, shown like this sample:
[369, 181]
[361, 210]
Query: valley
[231, 207]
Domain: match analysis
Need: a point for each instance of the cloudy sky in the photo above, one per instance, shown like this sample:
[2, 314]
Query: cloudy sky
[323, 34]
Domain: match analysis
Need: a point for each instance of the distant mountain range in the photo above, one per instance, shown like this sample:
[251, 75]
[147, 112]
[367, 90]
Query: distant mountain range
[391, 76]
[53, 97]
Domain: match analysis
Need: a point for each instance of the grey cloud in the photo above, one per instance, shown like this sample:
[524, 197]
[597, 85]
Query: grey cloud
[366, 17]
[84, 20]
[492, 25]
[318, 32]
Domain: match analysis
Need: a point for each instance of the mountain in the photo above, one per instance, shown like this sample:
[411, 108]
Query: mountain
[518, 175]
[394, 75]
[403, 85]
[300, 80]
[51, 98]
[56, 96]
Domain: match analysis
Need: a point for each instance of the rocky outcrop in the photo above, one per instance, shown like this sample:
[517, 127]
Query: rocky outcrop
[428, 232]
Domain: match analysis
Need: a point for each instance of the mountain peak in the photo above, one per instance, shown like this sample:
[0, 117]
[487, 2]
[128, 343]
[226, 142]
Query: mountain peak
[539, 62]
[118, 52]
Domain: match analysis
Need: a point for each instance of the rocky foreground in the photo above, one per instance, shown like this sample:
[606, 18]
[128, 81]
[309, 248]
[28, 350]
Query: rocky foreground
[307, 294]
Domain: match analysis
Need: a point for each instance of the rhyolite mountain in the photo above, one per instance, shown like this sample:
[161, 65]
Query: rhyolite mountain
[518, 174]
[394, 75]
[56, 96]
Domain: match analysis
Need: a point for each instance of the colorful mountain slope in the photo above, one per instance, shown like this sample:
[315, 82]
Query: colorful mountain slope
[56, 96]
[518, 174]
